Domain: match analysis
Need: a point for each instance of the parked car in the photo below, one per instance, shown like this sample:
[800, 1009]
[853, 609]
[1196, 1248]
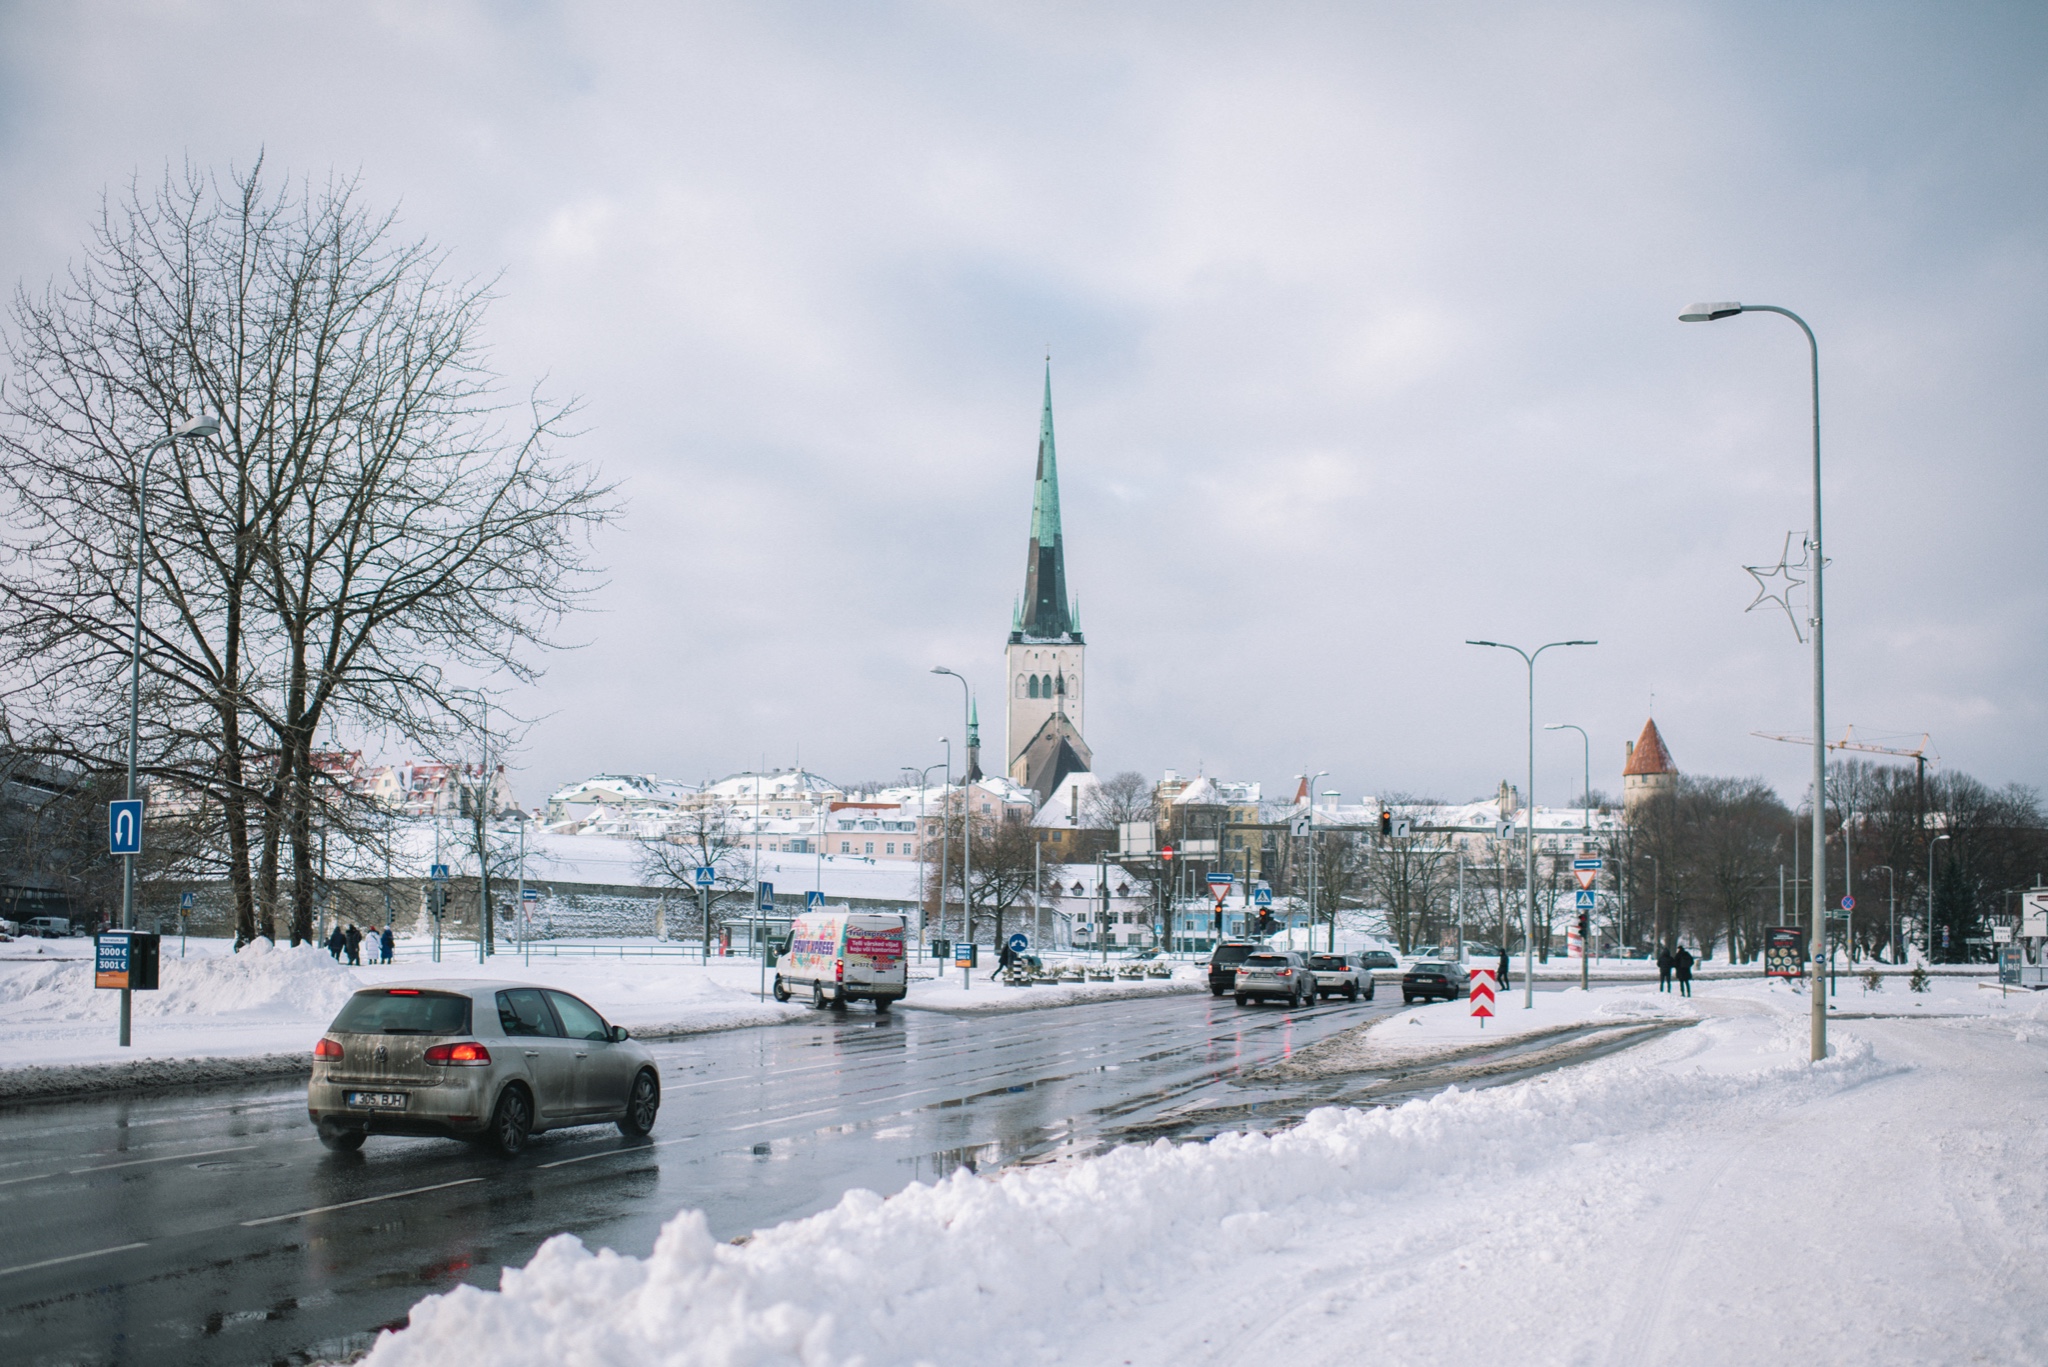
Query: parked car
[1375, 959]
[1273, 974]
[1430, 979]
[1340, 975]
[490, 1061]
[1223, 962]
[844, 956]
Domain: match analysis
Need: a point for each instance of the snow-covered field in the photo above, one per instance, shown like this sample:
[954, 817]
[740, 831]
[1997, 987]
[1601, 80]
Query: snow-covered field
[1709, 1197]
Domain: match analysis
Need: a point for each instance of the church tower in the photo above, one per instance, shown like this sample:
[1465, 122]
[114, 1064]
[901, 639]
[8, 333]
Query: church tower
[1047, 675]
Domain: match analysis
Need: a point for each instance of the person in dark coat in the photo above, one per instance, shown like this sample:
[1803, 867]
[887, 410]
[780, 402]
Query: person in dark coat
[1665, 963]
[1681, 964]
[1004, 957]
[355, 947]
[1502, 980]
[337, 942]
[384, 945]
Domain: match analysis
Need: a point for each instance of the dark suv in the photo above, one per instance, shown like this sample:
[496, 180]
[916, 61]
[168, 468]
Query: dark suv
[1223, 964]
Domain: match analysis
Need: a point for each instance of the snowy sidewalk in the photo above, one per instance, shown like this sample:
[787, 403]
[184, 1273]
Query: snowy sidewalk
[1708, 1198]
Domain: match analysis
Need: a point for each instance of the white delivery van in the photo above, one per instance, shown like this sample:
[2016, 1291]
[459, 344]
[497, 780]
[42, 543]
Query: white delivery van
[843, 956]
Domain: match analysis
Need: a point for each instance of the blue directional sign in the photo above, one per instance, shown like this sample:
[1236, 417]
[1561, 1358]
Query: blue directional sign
[1019, 943]
[1262, 897]
[529, 894]
[765, 899]
[438, 872]
[1222, 879]
[1586, 864]
[706, 875]
[814, 899]
[124, 826]
[1583, 899]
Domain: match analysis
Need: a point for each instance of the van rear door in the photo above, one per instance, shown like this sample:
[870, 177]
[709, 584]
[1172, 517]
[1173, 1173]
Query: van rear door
[873, 951]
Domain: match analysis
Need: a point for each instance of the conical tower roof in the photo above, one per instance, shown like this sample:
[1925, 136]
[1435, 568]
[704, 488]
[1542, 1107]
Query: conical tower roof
[1046, 616]
[1648, 755]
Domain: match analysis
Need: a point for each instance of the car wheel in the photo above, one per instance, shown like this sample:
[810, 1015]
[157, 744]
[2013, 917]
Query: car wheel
[1369, 990]
[1353, 993]
[1242, 999]
[781, 989]
[1215, 991]
[1407, 999]
[641, 1105]
[341, 1138]
[511, 1122]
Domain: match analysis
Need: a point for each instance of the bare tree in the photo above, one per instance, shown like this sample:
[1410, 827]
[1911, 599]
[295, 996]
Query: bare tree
[1117, 799]
[371, 514]
[700, 837]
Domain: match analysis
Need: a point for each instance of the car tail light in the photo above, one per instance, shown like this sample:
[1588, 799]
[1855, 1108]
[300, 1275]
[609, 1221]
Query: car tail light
[327, 1048]
[1283, 972]
[468, 1053]
[839, 970]
[402, 992]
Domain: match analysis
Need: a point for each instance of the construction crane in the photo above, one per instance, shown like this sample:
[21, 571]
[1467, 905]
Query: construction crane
[1918, 754]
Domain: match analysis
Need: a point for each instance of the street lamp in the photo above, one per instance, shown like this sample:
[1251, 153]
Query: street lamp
[1707, 313]
[1529, 871]
[1310, 941]
[1586, 797]
[194, 427]
[966, 821]
[924, 778]
[1930, 895]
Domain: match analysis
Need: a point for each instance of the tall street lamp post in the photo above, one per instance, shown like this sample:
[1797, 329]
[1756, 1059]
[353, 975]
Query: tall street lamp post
[966, 818]
[1708, 313]
[1309, 942]
[196, 427]
[1586, 801]
[924, 778]
[1529, 855]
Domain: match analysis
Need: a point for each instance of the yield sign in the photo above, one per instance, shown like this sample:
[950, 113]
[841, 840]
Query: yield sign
[1481, 993]
[1587, 877]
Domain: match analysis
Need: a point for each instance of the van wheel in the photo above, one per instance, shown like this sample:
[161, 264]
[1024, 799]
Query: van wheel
[511, 1122]
[641, 1105]
[781, 989]
[817, 997]
[882, 1005]
[839, 1003]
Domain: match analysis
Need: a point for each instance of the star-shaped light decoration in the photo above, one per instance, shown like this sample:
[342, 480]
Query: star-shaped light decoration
[1774, 583]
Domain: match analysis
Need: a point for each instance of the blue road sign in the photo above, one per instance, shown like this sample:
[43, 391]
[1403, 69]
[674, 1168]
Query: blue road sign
[1582, 900]
[1019, 943]
[124, 826]
[1586, 864]
[814, 899]
[529, 894]
[1222, 879]
[1262, 897]
[765, 899]
[1848, 904]
[706, 875]
[184, 901]
[438, 872]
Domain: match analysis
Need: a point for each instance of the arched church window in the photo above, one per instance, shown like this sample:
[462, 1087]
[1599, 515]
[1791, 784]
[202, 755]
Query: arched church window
[1045, 686]
[1034, 686]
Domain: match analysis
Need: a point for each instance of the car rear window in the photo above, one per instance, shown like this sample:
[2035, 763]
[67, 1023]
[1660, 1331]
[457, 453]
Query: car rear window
[1231, 954]
[1267, 961]
[1328, 963]
[401, 1011]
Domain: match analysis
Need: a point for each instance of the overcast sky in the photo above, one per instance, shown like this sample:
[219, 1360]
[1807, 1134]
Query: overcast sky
[1364, 340]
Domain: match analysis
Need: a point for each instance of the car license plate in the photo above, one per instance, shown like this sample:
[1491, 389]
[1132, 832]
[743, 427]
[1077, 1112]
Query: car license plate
[377, 1101]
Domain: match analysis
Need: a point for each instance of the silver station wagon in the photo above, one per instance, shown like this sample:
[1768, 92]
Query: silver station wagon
[490, 1061]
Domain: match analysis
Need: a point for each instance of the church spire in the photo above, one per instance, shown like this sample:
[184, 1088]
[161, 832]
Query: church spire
[1046, 617]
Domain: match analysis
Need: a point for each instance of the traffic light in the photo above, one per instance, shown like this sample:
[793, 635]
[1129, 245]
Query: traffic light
[1386, 822]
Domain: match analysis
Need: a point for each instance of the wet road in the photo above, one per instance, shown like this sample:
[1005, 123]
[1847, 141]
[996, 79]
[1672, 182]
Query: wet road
[213, 1228]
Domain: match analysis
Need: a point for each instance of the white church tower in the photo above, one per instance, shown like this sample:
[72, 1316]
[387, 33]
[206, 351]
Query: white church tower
[1047, 656]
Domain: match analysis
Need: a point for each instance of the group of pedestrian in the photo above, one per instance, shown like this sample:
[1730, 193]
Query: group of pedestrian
[349, 941]
[1674, 964]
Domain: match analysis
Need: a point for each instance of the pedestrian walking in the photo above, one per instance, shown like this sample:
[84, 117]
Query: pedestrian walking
[384, 945]
[1665, 963]
[1681, 964]
[336, 942]
[1502, 978]
[1004, 957]
[354, 941]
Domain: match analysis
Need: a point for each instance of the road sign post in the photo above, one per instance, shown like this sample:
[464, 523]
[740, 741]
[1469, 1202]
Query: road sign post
[1481, 993]
[437, 901]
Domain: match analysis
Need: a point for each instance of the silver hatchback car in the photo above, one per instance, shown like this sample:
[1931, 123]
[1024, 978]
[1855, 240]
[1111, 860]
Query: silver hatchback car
[491, 1061]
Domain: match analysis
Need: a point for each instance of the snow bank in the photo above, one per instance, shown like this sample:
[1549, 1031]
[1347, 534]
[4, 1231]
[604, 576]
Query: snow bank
[263, 979]
[944, 993]
[1048, 1264]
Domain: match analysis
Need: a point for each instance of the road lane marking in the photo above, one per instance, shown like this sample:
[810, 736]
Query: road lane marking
[71, 1258]
[364, 1201]
[167, 1158]
[614, 1153]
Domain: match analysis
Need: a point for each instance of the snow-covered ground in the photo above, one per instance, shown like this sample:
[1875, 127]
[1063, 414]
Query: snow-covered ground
[269, 1000]
[1709, 1197]
[945, 992]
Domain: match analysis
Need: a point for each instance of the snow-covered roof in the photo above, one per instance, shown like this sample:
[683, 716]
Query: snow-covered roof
[624, 788]
[1067, 808]
[768, 787]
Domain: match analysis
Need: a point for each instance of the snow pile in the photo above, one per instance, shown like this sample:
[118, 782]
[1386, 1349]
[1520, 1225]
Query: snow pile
[1044, 1264]
[944, 992]
[262, 979]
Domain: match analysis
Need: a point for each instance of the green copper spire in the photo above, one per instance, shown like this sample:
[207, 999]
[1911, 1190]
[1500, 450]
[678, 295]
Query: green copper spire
[1045, 569]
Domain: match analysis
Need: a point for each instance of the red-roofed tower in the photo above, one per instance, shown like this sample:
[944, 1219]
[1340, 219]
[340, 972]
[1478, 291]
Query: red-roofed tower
[1648, 772]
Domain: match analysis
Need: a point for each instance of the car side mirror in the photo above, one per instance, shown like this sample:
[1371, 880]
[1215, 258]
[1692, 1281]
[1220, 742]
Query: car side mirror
[617, 1034]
